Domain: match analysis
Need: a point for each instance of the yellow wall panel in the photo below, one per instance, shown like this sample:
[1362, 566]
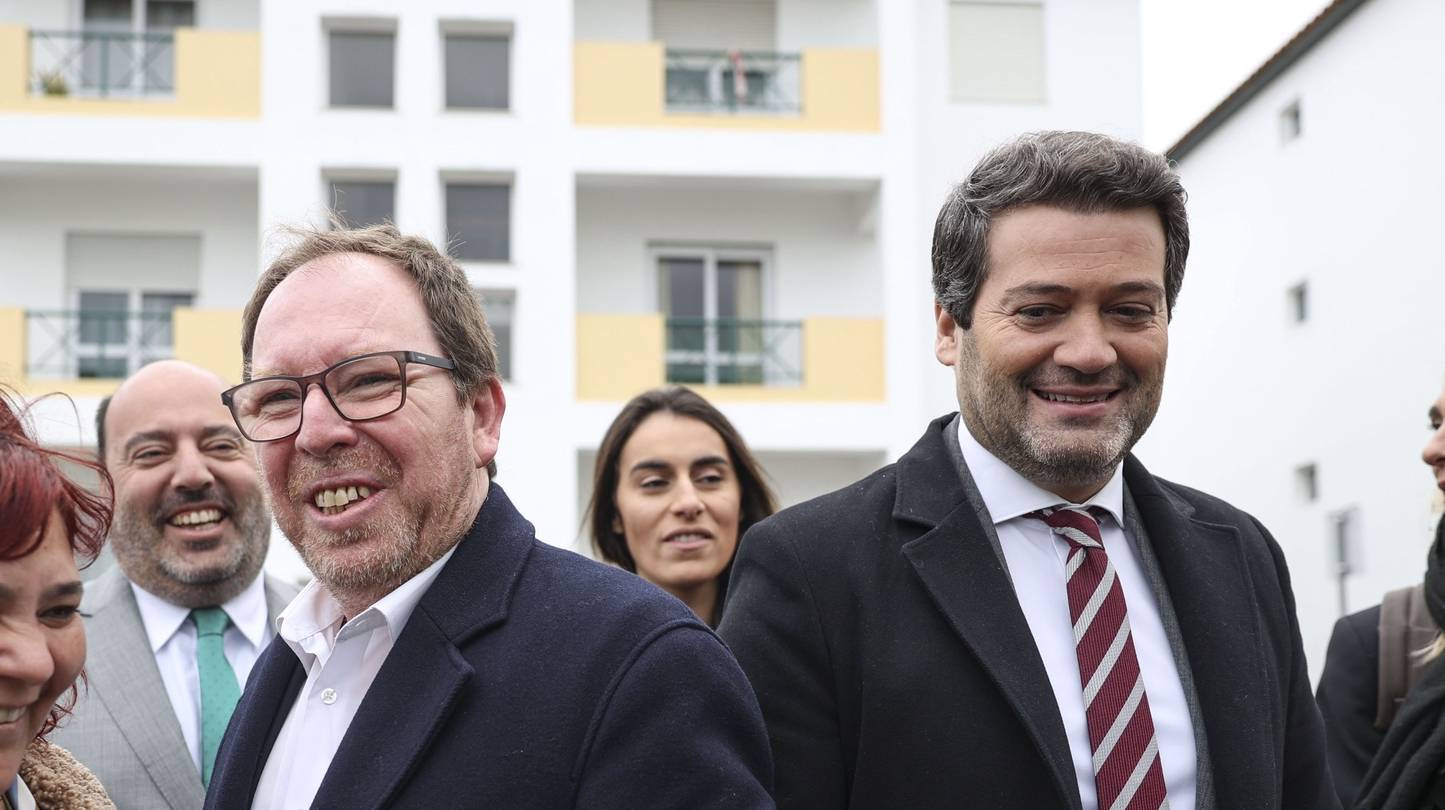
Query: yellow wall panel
[218, 75]
[210, 338]
[12, 342]
[618, 356]
[620, 84]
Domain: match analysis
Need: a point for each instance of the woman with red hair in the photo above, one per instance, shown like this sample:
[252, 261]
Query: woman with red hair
[47, 521]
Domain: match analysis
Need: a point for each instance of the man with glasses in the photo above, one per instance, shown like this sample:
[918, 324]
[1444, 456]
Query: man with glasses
[444, 656]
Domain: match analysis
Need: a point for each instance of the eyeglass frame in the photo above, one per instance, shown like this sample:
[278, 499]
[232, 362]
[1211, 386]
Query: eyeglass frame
[304, 382]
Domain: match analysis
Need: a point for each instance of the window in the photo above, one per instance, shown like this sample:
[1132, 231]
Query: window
[498, 306]
[712, 300]
[479, 221]
[114, 336]
[1299, 302]
[1290, 123]
[363, 68]
[359, 203]
[477, 71]
[1306, 480]
[129, 47]
[997, 50]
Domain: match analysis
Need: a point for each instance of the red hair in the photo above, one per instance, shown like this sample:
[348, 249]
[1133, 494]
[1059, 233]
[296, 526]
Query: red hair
[31, 488]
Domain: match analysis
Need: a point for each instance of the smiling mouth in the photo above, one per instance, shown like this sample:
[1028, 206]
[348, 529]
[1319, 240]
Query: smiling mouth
[10, 715]
[687, 537]
[196, 519]
[1075, 400]
[338, 500]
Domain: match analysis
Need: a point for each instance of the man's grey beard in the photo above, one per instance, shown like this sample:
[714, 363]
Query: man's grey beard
[136, 542]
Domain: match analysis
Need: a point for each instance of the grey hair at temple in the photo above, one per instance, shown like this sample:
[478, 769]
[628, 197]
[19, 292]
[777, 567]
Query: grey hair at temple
[1079, 171]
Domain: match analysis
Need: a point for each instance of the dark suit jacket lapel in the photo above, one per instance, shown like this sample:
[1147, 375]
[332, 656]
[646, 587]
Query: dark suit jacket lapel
[1210, 586]
[274, 683]
[416, 688]
[967, 581]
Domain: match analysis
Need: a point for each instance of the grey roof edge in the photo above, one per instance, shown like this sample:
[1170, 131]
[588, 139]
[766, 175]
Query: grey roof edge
[1300, 44]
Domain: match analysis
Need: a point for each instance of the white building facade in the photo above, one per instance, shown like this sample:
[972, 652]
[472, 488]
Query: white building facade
[735, 194]
[1305, 347]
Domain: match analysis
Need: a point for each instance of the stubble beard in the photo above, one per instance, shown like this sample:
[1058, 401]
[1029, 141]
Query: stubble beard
[138, 543]
[1061, 456]
[367, 561]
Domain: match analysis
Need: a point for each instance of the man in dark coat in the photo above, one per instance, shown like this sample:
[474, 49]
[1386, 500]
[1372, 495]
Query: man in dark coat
[444, 657]
[1017, 614]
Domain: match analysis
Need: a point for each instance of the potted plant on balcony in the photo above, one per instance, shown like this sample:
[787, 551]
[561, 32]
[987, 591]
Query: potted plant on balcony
[53, 83]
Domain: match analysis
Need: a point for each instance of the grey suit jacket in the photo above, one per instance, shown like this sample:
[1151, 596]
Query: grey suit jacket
[123, 728]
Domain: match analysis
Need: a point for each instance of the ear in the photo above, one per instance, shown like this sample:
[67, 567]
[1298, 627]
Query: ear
[617, 525]
[488, 405]
[945, 336]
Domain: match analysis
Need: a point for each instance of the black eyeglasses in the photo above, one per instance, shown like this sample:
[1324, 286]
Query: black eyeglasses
[361, 388]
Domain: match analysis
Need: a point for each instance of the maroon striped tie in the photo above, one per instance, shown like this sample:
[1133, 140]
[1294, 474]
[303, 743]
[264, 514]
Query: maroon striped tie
[1127, 772]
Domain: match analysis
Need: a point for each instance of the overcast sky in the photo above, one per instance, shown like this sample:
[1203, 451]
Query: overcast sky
[1197, 51]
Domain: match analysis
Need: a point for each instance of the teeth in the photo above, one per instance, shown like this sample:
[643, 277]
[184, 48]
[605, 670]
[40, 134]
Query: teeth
[341, 496]
[685, 537]
[1076, 400]
[11, 715]
[196, 518]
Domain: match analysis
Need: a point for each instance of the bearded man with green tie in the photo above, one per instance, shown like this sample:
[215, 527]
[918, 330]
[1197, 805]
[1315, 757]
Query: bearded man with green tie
[176, 625]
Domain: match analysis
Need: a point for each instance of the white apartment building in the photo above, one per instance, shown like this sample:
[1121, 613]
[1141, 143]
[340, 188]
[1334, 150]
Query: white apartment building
[1306, 345]
[735, 194]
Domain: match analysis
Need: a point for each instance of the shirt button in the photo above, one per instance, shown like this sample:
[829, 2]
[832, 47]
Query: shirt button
[328, 696]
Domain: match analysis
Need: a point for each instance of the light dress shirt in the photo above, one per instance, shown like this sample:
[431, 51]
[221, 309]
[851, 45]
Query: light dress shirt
[341, 658]
[173, 641]
[19, 797]
[1035, 558]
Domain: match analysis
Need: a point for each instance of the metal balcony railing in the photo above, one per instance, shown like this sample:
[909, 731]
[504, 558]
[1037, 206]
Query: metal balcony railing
[730, 351]
[102, 63]
[733, 82]
[94, 344]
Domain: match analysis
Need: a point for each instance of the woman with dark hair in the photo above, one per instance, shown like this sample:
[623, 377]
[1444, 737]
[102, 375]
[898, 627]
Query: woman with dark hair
[673, 490]
[1382, 691]
[46, 521]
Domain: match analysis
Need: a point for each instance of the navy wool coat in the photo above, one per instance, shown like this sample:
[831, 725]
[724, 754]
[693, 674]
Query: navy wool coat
[527, 677]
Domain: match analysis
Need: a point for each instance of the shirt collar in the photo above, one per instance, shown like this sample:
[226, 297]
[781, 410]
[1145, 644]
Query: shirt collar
[246, 610]
[1009, 495]
[312, 623]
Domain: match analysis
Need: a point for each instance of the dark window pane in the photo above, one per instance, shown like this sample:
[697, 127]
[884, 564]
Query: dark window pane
[359, 204]
[682, 282]
[91, 367]
[103, 319]
[156, 336]
[479, 221]
[498, 305]
[477, 71]
[362, 69]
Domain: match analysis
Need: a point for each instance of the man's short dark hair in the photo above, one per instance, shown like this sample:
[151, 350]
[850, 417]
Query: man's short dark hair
[1079, 171]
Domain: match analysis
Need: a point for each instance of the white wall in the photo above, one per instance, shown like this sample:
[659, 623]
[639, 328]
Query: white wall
[827, 24]
[1351, 207]
[229, 15]
[822, 263]
[47, 14]
[613, 20]
[36, 213]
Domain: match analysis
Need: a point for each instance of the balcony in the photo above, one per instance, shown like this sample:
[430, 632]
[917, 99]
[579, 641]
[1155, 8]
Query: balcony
[813, 360]
[643, 84]
[189, 73]
[88, 353]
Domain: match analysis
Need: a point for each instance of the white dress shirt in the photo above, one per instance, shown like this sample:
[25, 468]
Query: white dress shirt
[1036, 557]
[173, 641]
[341, 661]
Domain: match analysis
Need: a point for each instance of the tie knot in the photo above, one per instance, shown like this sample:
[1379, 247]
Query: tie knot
[1078, 525]
[211, 621]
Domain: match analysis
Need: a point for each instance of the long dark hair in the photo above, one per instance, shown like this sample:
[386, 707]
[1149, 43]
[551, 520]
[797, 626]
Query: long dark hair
[757, 500]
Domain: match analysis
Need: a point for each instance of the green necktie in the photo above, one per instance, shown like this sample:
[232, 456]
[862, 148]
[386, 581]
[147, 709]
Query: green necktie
[219, 691]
